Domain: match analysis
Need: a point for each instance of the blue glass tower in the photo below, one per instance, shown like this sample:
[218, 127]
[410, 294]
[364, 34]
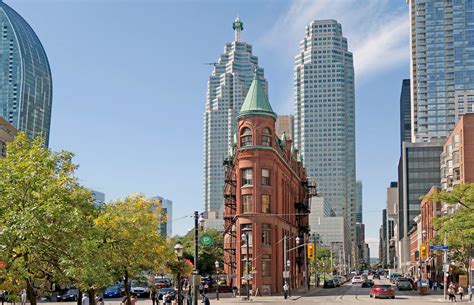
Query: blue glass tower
[25, 76]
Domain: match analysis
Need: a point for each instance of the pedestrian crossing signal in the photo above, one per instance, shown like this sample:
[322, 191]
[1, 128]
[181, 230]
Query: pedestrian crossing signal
[310, 251]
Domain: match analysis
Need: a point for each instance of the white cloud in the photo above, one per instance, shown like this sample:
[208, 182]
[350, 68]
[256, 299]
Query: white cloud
[377, 34]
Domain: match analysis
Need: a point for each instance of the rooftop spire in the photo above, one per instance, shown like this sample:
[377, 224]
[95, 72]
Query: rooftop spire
[256, 102]
[238, 26]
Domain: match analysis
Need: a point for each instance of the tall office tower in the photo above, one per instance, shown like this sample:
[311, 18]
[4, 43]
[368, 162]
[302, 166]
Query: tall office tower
[226, 90]
[405, 112]
[441, 63]
[166, 227]
[359, 201]
[284, 124]
[25, 77]
[392, 220]
[324, 115]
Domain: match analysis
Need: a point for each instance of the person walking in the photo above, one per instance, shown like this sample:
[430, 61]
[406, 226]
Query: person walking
[460, 292]
[452, 296]
[100, 301]
[153, 295]
[133, 299]
[85, 299]
[23, 296]
[469, 293]
[205, 300]
[285, 290]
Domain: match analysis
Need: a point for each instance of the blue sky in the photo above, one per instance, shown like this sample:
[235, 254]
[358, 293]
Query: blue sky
[130, 85]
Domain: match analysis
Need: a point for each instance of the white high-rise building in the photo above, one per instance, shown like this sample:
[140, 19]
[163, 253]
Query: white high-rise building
[227, 87]
[325, 116]
[441, 66]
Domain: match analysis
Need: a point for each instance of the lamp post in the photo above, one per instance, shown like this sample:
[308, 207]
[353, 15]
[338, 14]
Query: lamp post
[178, 250]
[245, 238]
[217, 281]
[197, 220]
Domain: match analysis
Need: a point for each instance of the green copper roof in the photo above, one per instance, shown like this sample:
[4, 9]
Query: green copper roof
[256, 102]
[283, 139]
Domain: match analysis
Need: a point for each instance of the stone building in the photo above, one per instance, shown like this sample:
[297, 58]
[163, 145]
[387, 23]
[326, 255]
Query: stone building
[266, 198]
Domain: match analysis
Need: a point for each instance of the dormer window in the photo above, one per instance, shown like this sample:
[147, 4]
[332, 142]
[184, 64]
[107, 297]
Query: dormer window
[266, 137]
[246, 137]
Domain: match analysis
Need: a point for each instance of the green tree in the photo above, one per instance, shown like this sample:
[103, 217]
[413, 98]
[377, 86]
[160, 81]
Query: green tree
[458, 228]
[131, 238]
[42, 208]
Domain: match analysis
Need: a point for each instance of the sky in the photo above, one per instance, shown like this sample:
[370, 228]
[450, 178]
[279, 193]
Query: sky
[129, 86]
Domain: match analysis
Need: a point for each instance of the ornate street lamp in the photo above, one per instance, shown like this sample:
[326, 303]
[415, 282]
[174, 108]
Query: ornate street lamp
[245, 239]
[217, 282]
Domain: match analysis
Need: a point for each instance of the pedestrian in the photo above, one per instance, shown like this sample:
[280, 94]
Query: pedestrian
[452, 296]
[285, 290]
[23, 296]
[201, 289]
[153, 295]
[460, 292]
[435, 286]
[206, 288]
[85, 299]
[100, 301]
[133, 299]
[205, 300]
[469, 293]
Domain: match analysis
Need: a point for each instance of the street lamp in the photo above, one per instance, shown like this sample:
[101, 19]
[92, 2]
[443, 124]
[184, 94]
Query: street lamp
[178, 250]
[217, 282]
[197, 220]
[245, 238]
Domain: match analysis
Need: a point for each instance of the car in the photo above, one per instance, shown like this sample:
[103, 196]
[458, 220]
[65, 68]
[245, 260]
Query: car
[404, 285]
[162, 282]
[367, 284]
[382, 291]
[113, 292]
[329, 284]
[140, 289]
[376, 277]
[164, 291]
[67, 295]
[357, 280]
[337, 281]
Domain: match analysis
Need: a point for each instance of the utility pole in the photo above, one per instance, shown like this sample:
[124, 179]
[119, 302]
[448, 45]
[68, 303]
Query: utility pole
[196, 247]
[305, 253]
[445, 261]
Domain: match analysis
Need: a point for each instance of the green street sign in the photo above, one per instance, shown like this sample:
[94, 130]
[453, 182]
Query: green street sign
[206, 240]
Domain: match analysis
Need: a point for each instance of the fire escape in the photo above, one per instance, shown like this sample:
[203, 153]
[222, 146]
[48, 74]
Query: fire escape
[302, 208]
[230, 210]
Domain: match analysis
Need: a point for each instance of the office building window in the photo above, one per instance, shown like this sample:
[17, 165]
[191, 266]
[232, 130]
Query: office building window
[266, 234]
[266, 265]
[266, 137]
[265, 176]
[266, 204]
[247, 177]
[247, 203]
[246, 137]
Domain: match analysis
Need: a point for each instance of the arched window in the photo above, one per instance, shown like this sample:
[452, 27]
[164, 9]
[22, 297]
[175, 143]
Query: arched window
[266, 137]
[246, 137]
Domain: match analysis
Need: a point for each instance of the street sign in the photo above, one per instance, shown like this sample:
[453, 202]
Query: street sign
[286, 274]
[438, 248]
[206, 240]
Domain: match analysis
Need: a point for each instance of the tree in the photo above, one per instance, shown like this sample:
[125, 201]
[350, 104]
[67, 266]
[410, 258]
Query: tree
[458, 228]
[42, 208]
[131, 238]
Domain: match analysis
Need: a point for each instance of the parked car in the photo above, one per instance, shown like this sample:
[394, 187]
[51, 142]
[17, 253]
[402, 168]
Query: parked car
[67, 295]
[367, 284]
[113, 292]
[329, 284]
[357, 280]
[404, 284]
[337, 282]
[140, 289]
[382, 291]
[162, 282]
[165, 291]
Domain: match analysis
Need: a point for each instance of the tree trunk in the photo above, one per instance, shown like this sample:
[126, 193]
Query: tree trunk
[91, 293]
[127, 288]
[30, 293]
[79, 297]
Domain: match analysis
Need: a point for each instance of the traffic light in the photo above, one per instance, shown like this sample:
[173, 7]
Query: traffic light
[423, 252]
[310, 251]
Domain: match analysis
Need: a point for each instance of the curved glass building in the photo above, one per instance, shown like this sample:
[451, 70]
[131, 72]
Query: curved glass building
[25, 76]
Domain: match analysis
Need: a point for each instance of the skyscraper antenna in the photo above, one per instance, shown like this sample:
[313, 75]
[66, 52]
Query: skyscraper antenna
[238, 26]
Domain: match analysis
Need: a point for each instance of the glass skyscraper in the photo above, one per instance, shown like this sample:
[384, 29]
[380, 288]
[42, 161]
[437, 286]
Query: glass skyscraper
[442, 64]
[226, 90]
[25, 76]
[324, 115]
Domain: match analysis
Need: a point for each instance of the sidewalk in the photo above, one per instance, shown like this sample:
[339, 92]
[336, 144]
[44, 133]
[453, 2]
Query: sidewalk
[295, 295]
